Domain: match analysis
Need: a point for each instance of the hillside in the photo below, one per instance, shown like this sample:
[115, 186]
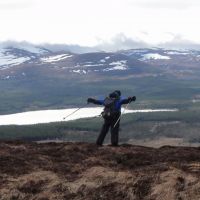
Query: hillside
[35, 78]
[85, 171]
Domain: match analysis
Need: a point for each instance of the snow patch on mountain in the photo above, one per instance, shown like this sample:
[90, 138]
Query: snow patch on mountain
[121, 62]
[102, 60]
[105, 59]
[177, 53]
[56, 58]
[115, 68]
[10, 60]
[93, 65]
[154, 56]
[79, 71]
[118, 65]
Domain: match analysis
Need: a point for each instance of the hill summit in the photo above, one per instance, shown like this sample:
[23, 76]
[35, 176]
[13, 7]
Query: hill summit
[85, 171]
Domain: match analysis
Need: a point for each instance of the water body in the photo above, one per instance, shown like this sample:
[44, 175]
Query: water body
[47, 116]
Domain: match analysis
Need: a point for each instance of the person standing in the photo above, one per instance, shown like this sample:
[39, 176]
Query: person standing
[111, 114]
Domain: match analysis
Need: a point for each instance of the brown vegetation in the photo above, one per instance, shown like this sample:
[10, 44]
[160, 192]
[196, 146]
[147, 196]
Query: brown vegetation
[84, 171]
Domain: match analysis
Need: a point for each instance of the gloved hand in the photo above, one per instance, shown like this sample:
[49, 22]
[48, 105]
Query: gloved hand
[90, 100]
[133, 98]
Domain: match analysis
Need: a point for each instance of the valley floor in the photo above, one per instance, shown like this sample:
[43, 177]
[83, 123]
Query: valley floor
[85, 171]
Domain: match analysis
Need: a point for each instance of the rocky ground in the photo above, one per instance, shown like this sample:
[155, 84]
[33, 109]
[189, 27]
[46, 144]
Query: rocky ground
[84, 171]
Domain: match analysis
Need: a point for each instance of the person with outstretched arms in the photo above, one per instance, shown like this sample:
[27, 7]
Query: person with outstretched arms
[111, 114]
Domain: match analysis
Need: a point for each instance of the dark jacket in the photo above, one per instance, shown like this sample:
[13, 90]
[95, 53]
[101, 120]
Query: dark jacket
[118, 102]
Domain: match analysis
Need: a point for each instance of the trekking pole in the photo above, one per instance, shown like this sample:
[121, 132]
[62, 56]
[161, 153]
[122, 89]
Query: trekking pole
[122, 113]
[71, 113]
[74, 112]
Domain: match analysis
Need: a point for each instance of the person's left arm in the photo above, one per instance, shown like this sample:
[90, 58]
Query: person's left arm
[127, 100]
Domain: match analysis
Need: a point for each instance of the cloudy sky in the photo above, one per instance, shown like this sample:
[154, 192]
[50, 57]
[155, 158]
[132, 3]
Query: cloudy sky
[101, 22]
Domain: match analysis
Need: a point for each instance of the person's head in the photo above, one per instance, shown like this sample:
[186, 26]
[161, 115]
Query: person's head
[116, 94]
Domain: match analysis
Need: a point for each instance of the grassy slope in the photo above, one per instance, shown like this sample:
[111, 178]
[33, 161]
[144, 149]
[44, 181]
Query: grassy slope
[55, 92]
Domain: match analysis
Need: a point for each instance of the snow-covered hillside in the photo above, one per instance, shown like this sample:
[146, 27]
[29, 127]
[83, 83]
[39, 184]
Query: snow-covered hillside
[7, 59]
[17, 54]
[128, 62]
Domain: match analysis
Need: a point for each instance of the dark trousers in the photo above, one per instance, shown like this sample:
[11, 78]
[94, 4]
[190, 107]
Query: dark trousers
[109, 123]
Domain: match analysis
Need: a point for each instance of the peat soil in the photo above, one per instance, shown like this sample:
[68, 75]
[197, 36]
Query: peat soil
[49, 171]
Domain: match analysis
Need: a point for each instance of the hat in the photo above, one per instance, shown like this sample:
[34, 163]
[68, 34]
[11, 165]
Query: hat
[118, 92]
[114, 95]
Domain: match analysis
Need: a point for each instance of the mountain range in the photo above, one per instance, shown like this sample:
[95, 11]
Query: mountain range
[24, 55]
[38, 77]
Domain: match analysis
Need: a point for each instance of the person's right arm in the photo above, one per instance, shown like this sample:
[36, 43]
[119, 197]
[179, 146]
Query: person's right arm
[95, 101]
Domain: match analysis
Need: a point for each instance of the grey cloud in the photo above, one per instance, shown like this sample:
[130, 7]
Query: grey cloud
[178, 42]
[52, 47]
[120, 42]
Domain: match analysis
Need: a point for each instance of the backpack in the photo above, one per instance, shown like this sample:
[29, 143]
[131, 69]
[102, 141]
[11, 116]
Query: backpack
[110, 109]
